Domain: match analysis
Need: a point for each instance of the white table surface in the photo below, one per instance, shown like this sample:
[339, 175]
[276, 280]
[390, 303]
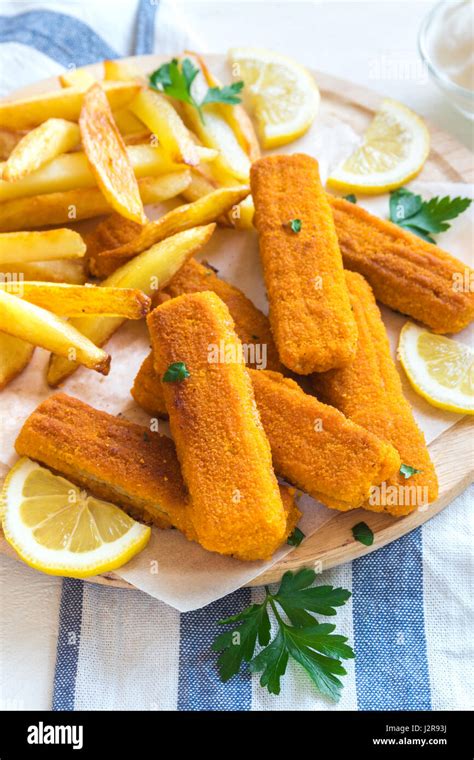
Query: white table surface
[361, 41]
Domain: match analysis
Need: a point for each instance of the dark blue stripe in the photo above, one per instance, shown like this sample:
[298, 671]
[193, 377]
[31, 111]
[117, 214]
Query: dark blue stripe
[70, 621]
[199, 685]
[145, 29]
[389, 627]
[64, 38]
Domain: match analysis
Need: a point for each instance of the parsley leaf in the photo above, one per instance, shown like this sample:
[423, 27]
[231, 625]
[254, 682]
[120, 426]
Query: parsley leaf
[421, 217]
[351, 198]
[295, 225]
[313, 645]
[176, 81]
[363, 534]
[176, 373]
[296, 537]
[408, 471]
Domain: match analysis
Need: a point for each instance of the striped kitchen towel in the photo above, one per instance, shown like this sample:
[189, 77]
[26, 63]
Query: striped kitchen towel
[410, 614]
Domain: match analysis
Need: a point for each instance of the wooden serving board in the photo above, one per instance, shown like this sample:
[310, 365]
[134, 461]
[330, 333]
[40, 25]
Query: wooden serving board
[452, 452]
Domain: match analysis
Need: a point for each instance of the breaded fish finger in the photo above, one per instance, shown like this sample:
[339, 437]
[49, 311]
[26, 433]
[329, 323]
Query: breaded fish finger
[369, 392]
[310, 313]
[235, 506]
[405, 272]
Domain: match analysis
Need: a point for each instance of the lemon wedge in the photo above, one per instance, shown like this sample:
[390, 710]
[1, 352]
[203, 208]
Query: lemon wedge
[439, 369]
[393, 151]
[282, 94]
[59, 529]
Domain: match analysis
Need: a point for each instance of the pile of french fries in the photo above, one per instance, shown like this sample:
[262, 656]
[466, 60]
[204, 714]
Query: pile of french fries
[107, 148]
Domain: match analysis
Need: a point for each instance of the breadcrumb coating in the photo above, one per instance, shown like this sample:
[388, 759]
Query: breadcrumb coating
[405, 272]
[310, 312]
[369, 392]
[235, 506]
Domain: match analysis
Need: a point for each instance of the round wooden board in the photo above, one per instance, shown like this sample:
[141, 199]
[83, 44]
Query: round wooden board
[452, 452]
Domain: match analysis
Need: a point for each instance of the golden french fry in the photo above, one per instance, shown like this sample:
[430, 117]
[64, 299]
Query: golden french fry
[121, 71]
[40, 246]
[65, 270]
[15, 355]
[38, 326]
[50, 139]
[202, 183]
[104, 147]
[203, 211]
[215, 132]
[72, 205]
[60, 104]
[152, 270]
[77, 78]
[235, 115]
[76, 300]
[72, 171]
[127, 122]
[161, 118]
[8, 140]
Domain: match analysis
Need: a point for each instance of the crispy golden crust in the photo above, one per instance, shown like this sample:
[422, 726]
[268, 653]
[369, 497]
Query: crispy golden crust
[405, 272]
[113, 231]
[251, 325]
[147, 390]
[225, 457]
[114, 458]
[369, 391]
[318, 449]
[310, 312]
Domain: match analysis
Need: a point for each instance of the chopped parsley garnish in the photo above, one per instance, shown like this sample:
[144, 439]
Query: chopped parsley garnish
[408, 471]
[175, 79]
[296, 537]
[424, 218]
[176, 373]
[363, 534]
[351, 198]
[295, 225]
[299, 636]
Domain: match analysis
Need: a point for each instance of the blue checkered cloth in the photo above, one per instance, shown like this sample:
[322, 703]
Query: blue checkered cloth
[410, 614]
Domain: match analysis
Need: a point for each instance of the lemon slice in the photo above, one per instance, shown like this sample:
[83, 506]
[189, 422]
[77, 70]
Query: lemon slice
[393, 151]
[282, 94]
[59, 529]
[439, 369]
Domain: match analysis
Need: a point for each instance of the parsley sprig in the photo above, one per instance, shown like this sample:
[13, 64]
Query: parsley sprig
[299, 636]
[424, 218]
[176, 80]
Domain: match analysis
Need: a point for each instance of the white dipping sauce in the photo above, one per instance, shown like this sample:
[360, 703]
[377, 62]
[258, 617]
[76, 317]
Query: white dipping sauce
[450, 42]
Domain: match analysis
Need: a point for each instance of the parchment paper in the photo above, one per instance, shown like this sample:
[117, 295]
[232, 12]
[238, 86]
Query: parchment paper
[172, 569]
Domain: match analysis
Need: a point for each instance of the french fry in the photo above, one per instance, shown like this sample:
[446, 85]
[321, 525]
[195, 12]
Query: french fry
[40, 246]
[8, 140]
[77, 300]
[201, 184]
[77, 78]
[161, 118]
[108, 158]
[65, 270]
[73, 205]
[121, 71]
[235, 115]
[50, 139]
[127, 122]
[38, 326]
[215, 132]
[15, 355]
[72, 171]
[151, 270]
[60, 104]
[203, 211]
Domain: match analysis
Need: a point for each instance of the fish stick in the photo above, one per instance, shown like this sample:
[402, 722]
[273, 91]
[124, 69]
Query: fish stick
[369, 392]
[313, 445]
[405, 272]
[117, 460]
[251, 325]
[310, 312]
[235, 506]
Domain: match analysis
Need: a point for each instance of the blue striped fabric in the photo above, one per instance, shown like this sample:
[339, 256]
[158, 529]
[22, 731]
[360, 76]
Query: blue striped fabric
[64, 38]
[70, 621]
[145, 30]
[199, 684]
[389, 628]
